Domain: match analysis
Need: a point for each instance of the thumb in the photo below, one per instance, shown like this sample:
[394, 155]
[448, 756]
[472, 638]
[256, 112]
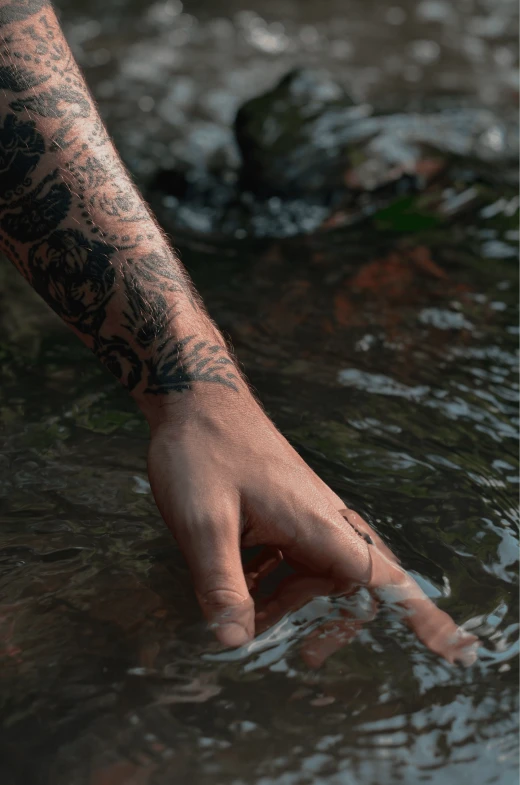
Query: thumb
[212, 550]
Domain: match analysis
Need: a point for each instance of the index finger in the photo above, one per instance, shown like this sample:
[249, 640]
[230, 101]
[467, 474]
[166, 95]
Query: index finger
[434, 627]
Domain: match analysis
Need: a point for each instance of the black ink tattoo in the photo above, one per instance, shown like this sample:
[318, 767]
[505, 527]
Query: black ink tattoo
[17, 79]
[50, 104]
[21, 147]
[74, 275]
[158, 270]
[19, 10]
[90, 173]
[48, 187]
[36, 213]
[120, 359]
[98, 135]
[149, 314]
[46, 46]
[146, 317]
[125, 206]
[35, 216]
[177, 364]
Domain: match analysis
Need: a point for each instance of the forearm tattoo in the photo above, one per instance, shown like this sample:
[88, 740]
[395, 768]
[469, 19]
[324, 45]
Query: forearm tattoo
[74, 225]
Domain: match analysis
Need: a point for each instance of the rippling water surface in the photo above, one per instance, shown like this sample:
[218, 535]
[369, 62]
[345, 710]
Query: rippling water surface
[388, 356]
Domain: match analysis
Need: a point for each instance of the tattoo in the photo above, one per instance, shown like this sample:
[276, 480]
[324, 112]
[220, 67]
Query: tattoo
[177, 364]
[19, 10]
[158, 271]
[73, 223]
[98, 135]
[49, 104]
[17, 79]
[146, 281]
[93, 173]
[125, 206]
[36, 217]
[33, 214]
[60, 57]
[120, 359]
[146, 318]
[90, 173]
[74, 275]
[21, 147]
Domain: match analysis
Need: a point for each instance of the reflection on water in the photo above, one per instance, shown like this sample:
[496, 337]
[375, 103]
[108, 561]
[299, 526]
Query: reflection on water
[387, 356]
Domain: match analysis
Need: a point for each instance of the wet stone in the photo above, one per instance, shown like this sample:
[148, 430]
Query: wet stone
[290, 137]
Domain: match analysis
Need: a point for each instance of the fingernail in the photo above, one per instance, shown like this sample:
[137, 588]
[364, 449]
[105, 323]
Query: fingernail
[232, 634]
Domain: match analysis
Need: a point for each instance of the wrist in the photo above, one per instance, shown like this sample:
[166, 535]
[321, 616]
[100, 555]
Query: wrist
[186, 377]
[200, 402]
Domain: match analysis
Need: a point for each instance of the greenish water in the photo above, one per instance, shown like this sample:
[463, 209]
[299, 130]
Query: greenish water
[386, 351]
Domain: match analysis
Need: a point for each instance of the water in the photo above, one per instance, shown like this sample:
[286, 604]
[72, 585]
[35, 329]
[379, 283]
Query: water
[388, 358]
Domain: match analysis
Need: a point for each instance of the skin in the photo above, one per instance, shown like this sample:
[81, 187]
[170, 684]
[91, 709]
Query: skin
[75, 227]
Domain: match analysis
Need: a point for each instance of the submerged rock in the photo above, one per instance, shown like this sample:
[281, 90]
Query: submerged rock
[306, 138]
[312, 159]
[290, 137]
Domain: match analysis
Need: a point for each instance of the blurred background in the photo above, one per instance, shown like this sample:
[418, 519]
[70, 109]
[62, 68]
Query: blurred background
[170, 78]
[341, 180]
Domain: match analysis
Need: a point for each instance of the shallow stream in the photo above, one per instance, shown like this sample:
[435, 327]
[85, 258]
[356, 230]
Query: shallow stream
[384, 347]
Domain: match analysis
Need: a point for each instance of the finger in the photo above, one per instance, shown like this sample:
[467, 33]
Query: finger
[325, 544]
[358, 523]
[261, 566]
[293, 593]
[212, 549]
[352, 517]
[435, 628]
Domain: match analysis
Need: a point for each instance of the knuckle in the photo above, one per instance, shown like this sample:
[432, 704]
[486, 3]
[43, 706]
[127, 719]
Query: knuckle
[208, 526]
[209, 515]
[217, 598]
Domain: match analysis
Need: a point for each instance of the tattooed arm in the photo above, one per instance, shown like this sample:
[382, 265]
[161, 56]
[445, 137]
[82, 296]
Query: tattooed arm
[75, 227]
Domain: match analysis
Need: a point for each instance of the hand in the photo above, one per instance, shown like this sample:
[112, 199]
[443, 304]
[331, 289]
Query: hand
[223, 477]
[432, 626]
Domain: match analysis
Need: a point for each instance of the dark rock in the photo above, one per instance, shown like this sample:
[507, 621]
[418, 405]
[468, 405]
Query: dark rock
[290, 138]
[170, 181]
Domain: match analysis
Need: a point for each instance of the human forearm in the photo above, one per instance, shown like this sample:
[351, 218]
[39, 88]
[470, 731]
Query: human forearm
[77, 229]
